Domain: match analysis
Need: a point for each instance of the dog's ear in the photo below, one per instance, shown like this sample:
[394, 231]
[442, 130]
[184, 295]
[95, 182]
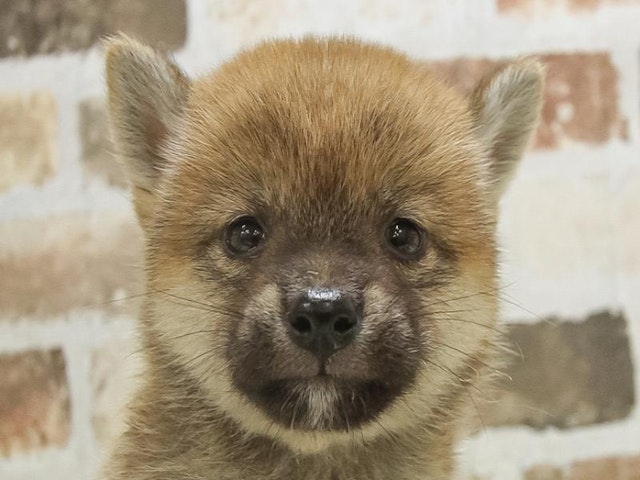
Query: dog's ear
[506, 106]
[147, 94]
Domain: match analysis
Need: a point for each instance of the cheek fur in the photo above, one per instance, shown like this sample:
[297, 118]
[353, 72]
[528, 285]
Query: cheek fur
[422, 339]
[189, 322]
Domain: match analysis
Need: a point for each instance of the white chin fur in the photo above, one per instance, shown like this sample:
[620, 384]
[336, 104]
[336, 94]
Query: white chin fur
[321, 404]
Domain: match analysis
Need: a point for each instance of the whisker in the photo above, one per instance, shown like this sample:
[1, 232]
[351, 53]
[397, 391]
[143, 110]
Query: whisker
[197, 332]
[463, 383]
[189, 363]
[520, 306]
[442, 344]
[207, 306]
[115, 300]
[475, 406]
[295, 411]
[463, 297]
[472, 322]
[390, 435]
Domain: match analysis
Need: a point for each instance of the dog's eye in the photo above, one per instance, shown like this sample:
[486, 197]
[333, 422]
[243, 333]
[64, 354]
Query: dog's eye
[406, 239]
[244, 236]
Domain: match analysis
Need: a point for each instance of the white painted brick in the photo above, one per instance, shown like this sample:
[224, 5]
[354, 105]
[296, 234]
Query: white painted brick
[570, 226]
[556, 237]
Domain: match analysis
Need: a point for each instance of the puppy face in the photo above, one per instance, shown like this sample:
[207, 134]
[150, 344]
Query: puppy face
[320, 219]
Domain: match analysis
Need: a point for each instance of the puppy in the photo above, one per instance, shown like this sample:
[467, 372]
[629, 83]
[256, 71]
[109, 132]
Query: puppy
[320, 224]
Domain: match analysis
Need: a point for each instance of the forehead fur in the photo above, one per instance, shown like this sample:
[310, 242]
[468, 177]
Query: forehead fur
[328, 129]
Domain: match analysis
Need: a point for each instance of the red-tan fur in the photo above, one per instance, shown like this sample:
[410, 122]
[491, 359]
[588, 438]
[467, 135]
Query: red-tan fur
[325, 134]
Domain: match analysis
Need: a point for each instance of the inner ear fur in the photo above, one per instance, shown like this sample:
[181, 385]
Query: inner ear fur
[506, 108]
[147, 93]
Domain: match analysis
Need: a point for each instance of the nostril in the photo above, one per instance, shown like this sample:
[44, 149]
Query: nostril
[322, 322]
[302, 324]
[344, 324]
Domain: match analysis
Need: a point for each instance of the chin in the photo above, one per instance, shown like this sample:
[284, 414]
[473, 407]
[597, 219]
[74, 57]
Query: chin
[323, 403]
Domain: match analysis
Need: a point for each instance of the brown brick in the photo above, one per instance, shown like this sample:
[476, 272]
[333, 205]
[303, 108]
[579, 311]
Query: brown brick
[538, 7]
[27, 139]
[31, 27]
[569, 374]
[51, 266]
[98, 160]
[613, 468]
[113, 373]
[580, 98]
[160, 22]
[544, 472]
[35, 410]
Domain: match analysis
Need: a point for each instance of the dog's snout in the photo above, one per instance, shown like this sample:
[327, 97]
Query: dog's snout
[323, 321]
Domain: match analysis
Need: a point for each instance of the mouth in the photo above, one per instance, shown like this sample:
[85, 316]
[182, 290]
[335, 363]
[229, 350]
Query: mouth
[323, 402]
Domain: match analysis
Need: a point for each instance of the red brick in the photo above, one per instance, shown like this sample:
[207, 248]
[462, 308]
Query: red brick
[35, 410]
[52, 266]
[588, 85]
[27, 139]
[535, 7]
[580, 97]
[613, 468]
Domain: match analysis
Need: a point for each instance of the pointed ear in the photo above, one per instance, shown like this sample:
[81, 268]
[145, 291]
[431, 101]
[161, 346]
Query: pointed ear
[147, 94]
[506, 106]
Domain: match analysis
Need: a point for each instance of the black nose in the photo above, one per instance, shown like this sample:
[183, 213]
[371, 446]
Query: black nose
[323, 321]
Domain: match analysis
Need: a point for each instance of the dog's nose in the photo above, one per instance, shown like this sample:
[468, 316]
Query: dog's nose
[323, 321]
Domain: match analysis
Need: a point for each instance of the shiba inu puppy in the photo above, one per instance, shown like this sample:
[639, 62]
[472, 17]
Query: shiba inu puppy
[320, 228]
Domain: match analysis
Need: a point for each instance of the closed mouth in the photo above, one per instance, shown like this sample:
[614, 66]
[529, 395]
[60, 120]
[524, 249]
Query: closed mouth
[323, 402]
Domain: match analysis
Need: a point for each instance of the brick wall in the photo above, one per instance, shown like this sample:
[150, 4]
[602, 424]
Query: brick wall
[570, 227]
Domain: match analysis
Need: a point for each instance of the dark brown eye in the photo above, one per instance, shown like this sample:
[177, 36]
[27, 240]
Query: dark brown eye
[244, 236]
[406, 239]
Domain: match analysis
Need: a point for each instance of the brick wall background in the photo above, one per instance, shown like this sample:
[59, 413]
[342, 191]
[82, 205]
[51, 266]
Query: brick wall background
[570, 227]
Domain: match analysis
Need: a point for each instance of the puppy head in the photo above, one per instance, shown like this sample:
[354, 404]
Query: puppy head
[320, 220]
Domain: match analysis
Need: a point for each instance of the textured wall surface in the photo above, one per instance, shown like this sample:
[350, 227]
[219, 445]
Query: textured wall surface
[570, 225]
